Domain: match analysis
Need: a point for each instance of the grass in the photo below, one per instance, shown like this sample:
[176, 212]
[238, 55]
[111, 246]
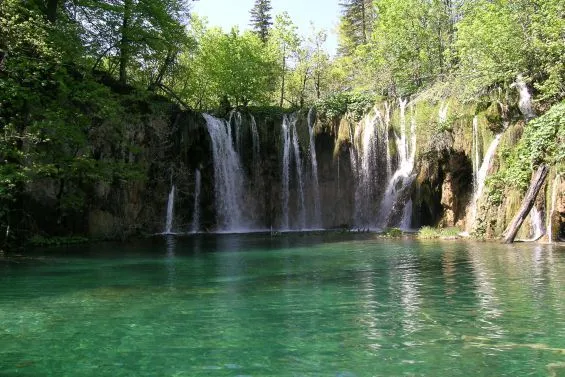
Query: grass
[429, 233]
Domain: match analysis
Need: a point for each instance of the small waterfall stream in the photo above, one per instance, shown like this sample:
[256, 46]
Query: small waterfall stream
[537, 223]
[317, 218]
[256, 142]
[525, 102]
[481, 178]
[195, 227]
[299, 178]
[476, 157]
[364, 160]
[228, 176]
[170, 211]
[402, 178]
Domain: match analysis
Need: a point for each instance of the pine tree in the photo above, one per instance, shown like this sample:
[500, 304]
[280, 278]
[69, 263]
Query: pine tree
[356, 24]
[261, 18]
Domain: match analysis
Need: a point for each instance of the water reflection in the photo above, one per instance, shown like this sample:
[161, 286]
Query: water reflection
[485, 291]
[171, 244]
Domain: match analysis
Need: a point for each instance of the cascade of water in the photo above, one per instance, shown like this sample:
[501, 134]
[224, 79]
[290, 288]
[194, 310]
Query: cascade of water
[442, 116]
[256, 142]
[235, 120]
[386, 140]
[317, 220]
[170, 211]
[365, 164]
[291, 148]
[402, 177]
[285, 170]
[228, 176]
[475, 151]
[525, 102]
[481, 177]
[299, 175]
[196, 213]
[406, 221]
[537, 223]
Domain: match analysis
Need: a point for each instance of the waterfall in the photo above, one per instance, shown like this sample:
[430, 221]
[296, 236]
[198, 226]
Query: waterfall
[364, 161]
[386, 130]
[475, 151]
[235, 120]
[228, 176]
[256, 142]
[481, 177]
[170, 211]
[442, 117]
[525, 102]
[285, 171]
[291, 148]
[300, 182]
[196, 212]
[406, 221]
[537, 223]
[317, 220]
[402, 178]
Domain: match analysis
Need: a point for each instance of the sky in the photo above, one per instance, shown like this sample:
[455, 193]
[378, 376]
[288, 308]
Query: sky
[227, 13]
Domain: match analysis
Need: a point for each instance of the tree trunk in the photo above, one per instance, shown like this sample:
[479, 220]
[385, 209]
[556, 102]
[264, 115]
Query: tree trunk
[527, 203]
[166, 64]
[124, 43]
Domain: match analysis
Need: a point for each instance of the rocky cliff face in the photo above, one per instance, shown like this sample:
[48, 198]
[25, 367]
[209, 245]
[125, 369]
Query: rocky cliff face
[364, 170]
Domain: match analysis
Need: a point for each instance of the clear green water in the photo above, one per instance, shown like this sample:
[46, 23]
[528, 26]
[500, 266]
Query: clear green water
[322, 305]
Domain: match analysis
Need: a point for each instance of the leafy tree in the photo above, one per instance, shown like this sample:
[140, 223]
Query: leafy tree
[498, 40]
[261, 18]
[234, 65]
[133, 35]
[285, 43]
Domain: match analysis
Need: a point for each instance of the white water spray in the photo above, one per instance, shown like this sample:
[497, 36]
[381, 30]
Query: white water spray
[170, 211]
[402, 177]
[476, 158]
[317, 220]
[299, 178]
[481, 178]
[228, 176]
[537, 223]
[525, 102]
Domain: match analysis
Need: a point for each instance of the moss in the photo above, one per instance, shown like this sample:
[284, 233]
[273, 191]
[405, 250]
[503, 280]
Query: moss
[429, 232]
[392, 233]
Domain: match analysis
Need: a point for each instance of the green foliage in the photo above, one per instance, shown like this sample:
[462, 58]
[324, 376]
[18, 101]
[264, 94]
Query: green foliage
[543, 141]
[392, 233]
[428, 232]
[497, 40]
[353, 104]
[234, 65]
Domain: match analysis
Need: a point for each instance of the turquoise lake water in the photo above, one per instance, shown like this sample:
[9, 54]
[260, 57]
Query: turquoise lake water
[292, 305]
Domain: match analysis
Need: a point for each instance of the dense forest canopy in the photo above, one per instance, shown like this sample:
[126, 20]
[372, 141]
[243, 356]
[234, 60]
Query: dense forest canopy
[71, 70]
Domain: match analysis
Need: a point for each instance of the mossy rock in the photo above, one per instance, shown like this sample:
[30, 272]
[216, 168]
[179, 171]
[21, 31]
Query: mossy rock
[494, 117]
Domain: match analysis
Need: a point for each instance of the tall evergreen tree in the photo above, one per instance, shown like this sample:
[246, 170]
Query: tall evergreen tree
[261, 18]
[356, 24]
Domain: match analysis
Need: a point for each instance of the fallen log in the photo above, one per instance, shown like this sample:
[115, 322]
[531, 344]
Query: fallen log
[527, 204]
